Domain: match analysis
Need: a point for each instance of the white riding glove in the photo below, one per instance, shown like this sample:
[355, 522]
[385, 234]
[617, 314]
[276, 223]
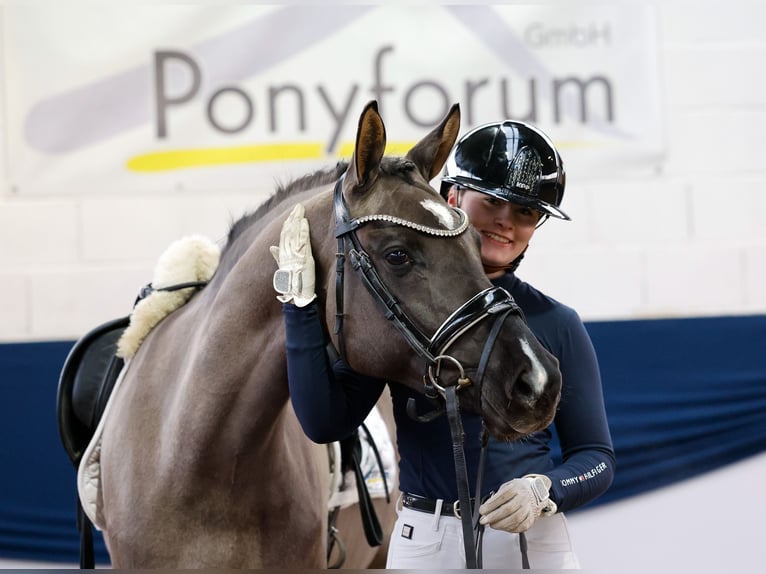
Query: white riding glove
[518, 504]
[294, 279]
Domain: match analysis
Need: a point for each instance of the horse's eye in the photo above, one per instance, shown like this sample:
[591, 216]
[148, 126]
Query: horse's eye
[397, 257]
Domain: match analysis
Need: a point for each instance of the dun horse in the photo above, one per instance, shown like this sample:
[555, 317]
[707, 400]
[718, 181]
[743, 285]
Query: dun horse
[203, 462]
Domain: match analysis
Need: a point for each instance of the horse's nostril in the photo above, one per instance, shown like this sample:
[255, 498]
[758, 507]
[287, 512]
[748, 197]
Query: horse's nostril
[523, 391]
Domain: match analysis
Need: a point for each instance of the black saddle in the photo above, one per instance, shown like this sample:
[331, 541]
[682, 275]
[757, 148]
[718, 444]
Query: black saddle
[88, 376]
[86, 381]
[85, 384]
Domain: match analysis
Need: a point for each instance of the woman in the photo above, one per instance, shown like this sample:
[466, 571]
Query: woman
[509, 179]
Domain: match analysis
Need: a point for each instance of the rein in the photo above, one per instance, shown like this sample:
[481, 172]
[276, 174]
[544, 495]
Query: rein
[492, 302]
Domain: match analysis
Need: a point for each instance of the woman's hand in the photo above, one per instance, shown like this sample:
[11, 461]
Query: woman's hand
[294, 280]
[518, 504]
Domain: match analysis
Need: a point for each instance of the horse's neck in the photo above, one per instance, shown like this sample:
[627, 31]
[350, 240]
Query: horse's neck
[239, 341]
[232, 380]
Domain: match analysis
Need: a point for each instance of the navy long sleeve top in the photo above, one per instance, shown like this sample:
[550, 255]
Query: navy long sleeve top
[331, 401]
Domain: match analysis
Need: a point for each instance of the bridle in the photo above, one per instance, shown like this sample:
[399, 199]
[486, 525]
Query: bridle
[493, 302]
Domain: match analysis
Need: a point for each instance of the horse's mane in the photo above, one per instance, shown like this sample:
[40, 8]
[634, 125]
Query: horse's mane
[309, 181]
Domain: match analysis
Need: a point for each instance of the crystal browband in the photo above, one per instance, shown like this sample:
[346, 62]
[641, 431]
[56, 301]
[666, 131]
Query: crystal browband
[416, 226]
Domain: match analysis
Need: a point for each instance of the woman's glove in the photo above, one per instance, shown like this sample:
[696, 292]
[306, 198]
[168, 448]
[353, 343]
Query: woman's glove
[518, 504]
[294, 279]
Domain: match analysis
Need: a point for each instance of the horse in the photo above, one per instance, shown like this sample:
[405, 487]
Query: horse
[203, 462]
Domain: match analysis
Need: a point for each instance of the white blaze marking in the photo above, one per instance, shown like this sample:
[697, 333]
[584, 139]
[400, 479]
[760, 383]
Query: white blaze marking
[443, 213]
[537, 376]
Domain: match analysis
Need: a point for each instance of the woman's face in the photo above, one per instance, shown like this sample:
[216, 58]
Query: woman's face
[505, 228]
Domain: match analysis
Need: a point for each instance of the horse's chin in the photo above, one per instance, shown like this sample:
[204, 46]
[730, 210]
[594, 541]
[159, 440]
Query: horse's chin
[507, 433]
[511, 433]
[512, 426]
[507, 437]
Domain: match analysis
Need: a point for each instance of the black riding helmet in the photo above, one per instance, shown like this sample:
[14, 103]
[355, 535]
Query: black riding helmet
[512, 161]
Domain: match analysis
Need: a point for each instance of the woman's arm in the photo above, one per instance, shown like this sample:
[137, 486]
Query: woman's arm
[331, 401]
[581, 423]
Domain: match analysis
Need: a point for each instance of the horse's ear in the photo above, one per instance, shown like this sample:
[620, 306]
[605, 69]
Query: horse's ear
[370, 146]
[431, 153]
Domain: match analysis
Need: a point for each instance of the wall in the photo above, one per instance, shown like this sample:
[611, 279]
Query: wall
[687, 239]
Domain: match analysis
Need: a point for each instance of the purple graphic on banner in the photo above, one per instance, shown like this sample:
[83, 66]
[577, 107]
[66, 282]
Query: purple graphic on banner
[85, 116]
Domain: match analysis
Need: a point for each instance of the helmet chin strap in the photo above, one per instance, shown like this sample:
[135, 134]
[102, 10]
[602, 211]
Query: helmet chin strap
[512, 266]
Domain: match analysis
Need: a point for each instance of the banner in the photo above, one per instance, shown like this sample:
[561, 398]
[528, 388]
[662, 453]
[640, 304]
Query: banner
[162, 98]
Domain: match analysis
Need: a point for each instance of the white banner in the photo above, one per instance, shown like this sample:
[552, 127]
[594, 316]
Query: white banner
[105, 99]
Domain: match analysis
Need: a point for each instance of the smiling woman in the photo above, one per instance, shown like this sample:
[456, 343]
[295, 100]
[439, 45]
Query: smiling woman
[506, 228]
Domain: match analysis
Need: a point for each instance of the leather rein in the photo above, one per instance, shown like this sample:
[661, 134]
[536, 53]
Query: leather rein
[493, 302]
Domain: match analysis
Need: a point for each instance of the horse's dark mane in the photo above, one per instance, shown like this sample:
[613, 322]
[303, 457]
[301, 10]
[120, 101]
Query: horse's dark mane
[309, 181]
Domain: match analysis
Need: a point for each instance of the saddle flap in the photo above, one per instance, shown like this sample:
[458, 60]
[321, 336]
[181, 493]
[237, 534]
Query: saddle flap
[84, 384]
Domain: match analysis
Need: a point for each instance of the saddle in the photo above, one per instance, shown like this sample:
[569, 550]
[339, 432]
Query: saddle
[85, 384]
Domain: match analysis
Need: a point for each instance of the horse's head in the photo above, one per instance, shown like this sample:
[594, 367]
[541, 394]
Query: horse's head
[418, 263]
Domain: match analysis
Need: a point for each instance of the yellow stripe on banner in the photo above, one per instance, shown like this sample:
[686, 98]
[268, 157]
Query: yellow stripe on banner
[188, 158]
[392, 148]
[185, 158]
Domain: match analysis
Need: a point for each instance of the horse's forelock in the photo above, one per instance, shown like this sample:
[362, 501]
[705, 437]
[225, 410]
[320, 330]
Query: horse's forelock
[412, 209]
[399, 167]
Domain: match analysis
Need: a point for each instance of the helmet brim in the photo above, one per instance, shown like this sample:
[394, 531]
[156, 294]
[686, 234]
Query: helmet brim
[505, 194]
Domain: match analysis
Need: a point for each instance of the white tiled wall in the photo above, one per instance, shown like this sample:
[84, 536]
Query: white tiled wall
[37, 233]
[688, 238]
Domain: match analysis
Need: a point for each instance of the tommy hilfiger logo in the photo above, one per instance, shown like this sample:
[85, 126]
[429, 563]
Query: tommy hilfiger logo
[592, 473]
[407, 531]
